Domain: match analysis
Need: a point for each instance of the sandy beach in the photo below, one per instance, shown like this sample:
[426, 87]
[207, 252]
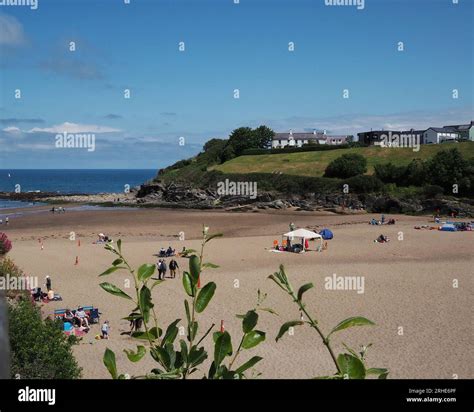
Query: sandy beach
[407, 283]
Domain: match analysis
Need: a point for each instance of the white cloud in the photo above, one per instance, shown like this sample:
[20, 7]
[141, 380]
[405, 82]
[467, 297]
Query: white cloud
[11, 31]
[12, 129]
[67, 127]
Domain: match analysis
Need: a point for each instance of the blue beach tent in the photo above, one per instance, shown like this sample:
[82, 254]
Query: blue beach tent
[326, 234]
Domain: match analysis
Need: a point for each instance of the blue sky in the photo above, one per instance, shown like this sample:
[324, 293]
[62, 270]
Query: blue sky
[228, 46]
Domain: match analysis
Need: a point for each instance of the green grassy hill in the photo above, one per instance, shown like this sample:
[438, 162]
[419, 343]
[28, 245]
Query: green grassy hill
[314, 163]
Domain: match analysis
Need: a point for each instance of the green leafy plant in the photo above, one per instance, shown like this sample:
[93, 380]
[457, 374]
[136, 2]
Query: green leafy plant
[350, 365]
[179, 360]
[39, 348]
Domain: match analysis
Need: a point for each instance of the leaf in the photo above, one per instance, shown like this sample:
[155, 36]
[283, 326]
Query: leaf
[277, 281]
[210, 237]
[152, 334]
[269, 310]
[184, 350]
[204, 297]
[114, 290]
[109, 362]
[328, 377]
[194, 268]
[156, 283]
[188, 313]
[284, 328]
[145, 271]
[162, 356]
[117, 262]
[209, 265]
[145, 303]
[350, 322]
[250, 321]
[222, 348]
[197, 356]
[111, 269]
[135, 356]
[188, 284]
[303, 289]
[351, 366]
[382, 372]
[253, 338]
[119, 245]
[247, 365]
[171, 333]
[192, 330]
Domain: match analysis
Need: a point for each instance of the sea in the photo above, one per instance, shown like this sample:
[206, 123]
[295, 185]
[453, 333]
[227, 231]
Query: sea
[70, 181]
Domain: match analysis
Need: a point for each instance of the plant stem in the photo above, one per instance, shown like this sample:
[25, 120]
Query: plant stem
[237, 352]
[316, 327]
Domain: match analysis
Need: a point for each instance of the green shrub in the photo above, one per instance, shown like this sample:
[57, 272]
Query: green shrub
[348, 165]
[39, 348]
[364, 184]
[432, 191]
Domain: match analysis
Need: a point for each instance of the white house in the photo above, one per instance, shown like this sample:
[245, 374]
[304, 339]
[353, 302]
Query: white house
[436, 135]
[291, 139]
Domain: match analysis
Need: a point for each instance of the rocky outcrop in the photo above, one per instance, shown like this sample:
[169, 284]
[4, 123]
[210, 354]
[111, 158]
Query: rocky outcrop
[182, 196]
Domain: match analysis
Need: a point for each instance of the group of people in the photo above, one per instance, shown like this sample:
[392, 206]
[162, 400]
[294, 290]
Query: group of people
[38, 293]
[78, 318]
[81, 319]
[58, 210]
[166, 252]
[6, 221]
[104, 238]
[162, 268]
[382, 221]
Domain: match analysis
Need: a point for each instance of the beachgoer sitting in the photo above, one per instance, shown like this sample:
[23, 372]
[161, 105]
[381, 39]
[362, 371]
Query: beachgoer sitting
[382, 239]
[69, 316]
[37, 294]
[82, 316]
[169, 251]
[162, 252]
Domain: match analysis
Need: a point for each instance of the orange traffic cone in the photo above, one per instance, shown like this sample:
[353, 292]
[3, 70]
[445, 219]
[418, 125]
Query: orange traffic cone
[222, 326]
[77, 260]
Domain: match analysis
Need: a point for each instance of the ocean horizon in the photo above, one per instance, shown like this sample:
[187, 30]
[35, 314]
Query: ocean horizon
[73, 181]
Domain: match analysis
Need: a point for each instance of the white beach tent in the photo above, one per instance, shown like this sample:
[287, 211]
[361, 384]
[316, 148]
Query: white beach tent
[303, 234]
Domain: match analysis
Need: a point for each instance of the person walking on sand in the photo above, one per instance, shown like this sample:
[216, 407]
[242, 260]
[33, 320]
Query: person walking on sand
[163, 268]
[173, 267]
[48, 283]
[160, 268]
[105, 330]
